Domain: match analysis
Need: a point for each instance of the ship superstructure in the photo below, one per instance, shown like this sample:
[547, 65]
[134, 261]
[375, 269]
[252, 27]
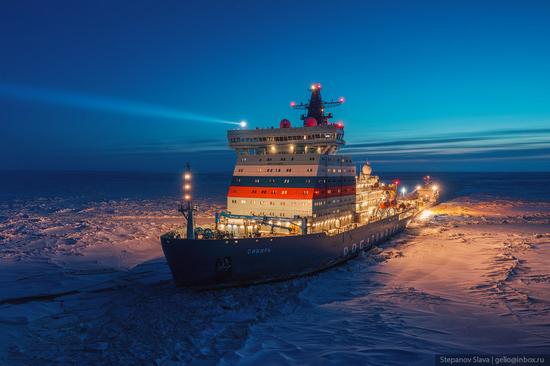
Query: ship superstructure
[294, 206]
[297, 173]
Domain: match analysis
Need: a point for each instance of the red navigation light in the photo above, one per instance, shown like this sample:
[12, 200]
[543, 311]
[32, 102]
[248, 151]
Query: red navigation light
[293, 104]
[340, 124]
[341, 99]
[318, 85]
[396, 182]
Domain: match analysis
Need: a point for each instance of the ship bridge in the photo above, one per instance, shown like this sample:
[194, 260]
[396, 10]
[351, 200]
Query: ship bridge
[319, 139]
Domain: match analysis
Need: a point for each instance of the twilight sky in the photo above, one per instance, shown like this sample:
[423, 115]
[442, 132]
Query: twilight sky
[147, 85]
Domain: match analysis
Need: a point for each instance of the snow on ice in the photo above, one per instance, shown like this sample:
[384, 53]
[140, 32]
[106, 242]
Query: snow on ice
[87, 284]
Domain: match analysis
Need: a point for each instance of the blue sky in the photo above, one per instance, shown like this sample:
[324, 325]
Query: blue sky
[143, 85]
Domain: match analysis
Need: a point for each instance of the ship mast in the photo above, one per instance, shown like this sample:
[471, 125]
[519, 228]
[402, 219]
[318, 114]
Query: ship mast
[316, 106]
[186, 206]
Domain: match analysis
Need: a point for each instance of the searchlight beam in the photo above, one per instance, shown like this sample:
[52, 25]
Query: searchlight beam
[101, 103]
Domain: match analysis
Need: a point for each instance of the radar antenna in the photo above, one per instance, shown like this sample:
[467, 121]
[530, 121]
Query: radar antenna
[316, 106]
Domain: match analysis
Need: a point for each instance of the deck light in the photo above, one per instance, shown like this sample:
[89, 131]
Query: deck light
[242, 124]
[417, 188]
[426, 214]
[187, 176]
[434, 188]
[403, 191]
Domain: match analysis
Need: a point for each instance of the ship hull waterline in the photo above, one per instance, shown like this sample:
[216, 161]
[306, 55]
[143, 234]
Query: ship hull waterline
[209, 264]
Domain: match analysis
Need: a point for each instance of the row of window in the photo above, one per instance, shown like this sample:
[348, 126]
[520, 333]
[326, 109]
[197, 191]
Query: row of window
[273, 170]
[287, 138]
[269, 203]
[331, 202]
[309, 170]
[288, 180]
[311, 158]
[283, 192]
[293, 202]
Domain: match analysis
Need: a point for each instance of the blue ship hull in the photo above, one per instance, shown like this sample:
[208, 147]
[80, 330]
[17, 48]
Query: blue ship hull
[245, 261]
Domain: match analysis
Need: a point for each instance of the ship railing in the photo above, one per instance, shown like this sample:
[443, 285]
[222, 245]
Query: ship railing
[340, 230]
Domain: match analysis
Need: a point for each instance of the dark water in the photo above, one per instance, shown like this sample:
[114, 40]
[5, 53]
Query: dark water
[94, 186]
[527, 186]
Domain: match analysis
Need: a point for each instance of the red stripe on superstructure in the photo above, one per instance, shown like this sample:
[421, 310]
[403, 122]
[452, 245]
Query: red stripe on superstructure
[289, 193]
[270, 192]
